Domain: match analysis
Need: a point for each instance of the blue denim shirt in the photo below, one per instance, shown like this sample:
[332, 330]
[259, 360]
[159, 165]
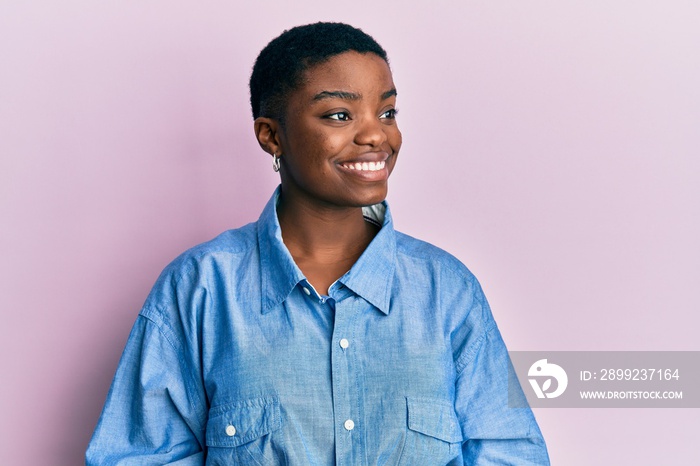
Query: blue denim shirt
[236, 359]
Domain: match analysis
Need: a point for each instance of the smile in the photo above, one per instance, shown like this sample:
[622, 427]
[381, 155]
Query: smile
[365, 166]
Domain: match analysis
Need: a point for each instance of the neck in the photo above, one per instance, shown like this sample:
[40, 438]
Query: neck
[324, 241]
[326, 235]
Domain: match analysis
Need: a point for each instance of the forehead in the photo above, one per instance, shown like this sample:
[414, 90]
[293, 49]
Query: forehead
[363, 73]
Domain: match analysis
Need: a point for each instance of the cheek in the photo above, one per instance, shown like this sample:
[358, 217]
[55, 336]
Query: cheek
[322, 150]
[314, 152]
[395, 139]
[331, 144]
[315, 147]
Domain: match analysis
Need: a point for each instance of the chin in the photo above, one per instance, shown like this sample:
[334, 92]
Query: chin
[373, 198]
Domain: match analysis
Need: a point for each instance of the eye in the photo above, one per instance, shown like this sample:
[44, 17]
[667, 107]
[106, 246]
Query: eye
[389, 114]
[338, 116]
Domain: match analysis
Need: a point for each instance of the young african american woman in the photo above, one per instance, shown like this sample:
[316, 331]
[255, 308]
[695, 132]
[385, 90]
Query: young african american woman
[318, 335]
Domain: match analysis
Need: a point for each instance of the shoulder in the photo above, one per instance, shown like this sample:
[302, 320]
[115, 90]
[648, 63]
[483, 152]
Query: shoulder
[228, 245]
[189, 286]
[425, 269]
[196, 269]
[425, 255]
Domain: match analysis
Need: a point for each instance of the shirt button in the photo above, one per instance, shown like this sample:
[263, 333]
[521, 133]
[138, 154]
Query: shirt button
[344, 343]
[349, 425]
[230, 430]
[306, 290]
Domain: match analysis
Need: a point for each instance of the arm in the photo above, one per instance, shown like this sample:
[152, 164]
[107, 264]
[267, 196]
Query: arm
[153, 413]
[494, 432]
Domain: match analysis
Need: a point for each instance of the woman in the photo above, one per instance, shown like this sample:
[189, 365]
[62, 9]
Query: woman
[317, 335]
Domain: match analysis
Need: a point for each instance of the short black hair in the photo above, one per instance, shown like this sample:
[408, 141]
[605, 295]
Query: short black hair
[280, 66]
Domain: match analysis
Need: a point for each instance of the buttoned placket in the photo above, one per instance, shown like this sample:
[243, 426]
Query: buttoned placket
[345, 378]
[344, 375]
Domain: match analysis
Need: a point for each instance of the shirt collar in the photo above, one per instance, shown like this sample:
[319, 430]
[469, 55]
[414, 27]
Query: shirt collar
[371, 277]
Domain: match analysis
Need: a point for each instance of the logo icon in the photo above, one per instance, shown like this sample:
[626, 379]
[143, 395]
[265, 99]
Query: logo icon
[547, 371]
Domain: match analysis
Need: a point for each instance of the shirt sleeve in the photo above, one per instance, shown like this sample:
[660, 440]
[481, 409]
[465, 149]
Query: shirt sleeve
[495, 433]
[152, 415]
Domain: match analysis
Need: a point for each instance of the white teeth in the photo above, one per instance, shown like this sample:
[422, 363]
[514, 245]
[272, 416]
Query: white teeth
[365, 166]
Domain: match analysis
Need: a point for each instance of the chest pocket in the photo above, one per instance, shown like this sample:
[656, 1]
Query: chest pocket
[434, 435]
[242, 433]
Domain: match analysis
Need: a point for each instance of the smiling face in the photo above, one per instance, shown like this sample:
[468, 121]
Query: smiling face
[340, 141]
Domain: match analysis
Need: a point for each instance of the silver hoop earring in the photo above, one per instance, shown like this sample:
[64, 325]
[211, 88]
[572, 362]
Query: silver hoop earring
[275, 162]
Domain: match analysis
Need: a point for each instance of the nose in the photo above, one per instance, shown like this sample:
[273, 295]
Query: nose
[370, 132]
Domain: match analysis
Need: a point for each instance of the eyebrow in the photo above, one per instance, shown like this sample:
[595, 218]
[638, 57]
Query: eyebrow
[337, 95]
[348, 95]
[388, 94]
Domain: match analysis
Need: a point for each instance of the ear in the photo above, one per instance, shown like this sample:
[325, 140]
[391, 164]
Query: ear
[267, 130]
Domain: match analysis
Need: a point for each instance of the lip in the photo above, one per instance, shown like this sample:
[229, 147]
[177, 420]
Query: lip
[368, 159]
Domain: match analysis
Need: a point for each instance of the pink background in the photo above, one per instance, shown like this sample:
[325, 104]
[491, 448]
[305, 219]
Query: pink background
[551, 146]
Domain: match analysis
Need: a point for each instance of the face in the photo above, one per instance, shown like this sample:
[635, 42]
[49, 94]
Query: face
[340, 140]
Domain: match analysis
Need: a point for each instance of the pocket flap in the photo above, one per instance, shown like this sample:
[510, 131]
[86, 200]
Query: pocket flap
[237, 423]
[435, 418]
